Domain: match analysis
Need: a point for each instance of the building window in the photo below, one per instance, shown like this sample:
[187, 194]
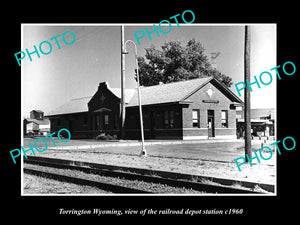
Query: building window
[98, 122]
[171, 116]
[105, 122]
[106, 119]
[224, 119]
[168, 119]
[196, 118]
[85, 121]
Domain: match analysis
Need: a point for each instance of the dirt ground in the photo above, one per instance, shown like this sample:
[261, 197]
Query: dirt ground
[40, 185]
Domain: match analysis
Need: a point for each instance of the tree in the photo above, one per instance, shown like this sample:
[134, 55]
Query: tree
[175, 63]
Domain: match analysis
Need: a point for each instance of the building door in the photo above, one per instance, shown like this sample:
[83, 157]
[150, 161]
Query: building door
[97, 121]
[105, 121]
[211, 123]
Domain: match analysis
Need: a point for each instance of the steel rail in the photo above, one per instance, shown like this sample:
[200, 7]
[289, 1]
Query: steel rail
[76, 180]
[108, 171]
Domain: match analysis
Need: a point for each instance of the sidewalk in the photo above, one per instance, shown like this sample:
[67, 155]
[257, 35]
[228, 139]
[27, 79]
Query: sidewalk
[86, 144]
[91, 144]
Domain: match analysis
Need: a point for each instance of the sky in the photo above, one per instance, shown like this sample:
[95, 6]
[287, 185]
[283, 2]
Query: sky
[75, 70]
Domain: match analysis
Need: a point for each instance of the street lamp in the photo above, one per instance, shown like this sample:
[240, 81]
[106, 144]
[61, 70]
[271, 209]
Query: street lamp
[143, 152]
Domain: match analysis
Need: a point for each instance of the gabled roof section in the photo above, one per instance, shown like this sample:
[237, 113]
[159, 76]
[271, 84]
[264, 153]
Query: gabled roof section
[223, 88]
[128, 93]
[75, 105]
[176, 92]
[170, 92]
[116, 91]
[78, 105]
[227, 92]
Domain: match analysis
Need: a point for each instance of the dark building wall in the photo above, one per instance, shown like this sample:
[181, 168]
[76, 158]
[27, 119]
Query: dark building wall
[160, 122]
[104, 112]
[76, 123]
[217, 102]
[104, 98]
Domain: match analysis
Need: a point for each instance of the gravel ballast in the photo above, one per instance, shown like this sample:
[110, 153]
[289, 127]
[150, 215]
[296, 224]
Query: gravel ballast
[152, 187]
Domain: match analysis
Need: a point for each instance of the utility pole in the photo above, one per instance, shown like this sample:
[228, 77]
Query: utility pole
[122, 108]
[247, 108]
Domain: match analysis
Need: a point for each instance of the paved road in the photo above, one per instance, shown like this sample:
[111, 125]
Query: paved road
[222, 151]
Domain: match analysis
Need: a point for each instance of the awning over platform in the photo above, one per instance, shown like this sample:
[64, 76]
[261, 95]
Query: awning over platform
[102, 110]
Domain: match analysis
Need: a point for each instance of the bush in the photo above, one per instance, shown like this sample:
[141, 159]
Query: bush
[104, 136]
[100, 136]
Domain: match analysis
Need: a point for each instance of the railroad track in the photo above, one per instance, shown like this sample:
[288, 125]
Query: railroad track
[127, 173]
[76, 180]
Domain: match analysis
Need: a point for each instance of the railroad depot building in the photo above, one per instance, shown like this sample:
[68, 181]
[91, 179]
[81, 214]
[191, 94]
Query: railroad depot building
[192, 109]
